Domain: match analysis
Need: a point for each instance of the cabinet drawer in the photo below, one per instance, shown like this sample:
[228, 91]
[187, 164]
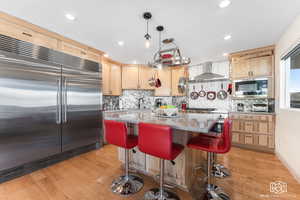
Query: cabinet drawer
[263, 140]
[235, 137]
[236, 125]
[248, 126]
[271, 142]
[248, 139]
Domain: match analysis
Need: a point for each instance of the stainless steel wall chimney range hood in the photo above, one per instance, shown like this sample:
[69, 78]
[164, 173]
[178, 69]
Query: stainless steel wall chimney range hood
[207, 73]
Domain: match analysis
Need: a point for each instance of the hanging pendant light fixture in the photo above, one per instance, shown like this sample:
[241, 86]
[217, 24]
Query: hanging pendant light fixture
[147, 16]
[168, 53]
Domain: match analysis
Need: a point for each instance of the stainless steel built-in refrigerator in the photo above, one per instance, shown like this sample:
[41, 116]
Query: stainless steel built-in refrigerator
[50, 102]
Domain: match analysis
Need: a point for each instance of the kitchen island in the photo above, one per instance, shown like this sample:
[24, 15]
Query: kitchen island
[179, 173]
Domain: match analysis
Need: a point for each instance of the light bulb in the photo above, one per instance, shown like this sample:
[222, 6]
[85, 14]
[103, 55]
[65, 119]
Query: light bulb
[147, 44]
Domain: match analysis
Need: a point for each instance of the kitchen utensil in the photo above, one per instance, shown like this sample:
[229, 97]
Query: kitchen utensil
[222, 94]
[151, 81]
[229, 89]
[202, 93]
[240, 107]
[211, 95]
[194, 95]
[157, 81]
[182, 84]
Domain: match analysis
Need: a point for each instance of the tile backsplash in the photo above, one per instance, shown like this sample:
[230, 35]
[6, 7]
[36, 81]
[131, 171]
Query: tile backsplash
[130, 100]
[203, 102]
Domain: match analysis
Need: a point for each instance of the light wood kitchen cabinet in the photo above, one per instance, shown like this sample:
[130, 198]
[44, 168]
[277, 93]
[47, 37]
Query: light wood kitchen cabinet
[28, 35]
[72, 49]
[136, 77]
[165, 77]
[130, 77]
[111, 76]
[93, 56]
[253, 131]
[252, 63]
[177, 73]
[145, 73]
[261, 66]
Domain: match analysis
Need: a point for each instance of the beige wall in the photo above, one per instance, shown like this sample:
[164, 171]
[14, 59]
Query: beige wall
[288, 121]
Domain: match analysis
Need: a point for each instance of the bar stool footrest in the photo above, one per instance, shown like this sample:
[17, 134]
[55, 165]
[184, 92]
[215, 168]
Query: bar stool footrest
[215, 193]
[154, 194]
[125, 186]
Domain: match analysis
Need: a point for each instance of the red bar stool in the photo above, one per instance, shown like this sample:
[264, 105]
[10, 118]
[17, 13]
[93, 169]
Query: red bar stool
[213, 145]
[156, 140]
[116, 134]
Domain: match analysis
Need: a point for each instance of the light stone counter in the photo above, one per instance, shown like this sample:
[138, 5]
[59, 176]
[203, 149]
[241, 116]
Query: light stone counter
[194, 122]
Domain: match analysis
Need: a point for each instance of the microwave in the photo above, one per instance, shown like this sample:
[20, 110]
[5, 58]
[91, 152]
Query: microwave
[258, 88]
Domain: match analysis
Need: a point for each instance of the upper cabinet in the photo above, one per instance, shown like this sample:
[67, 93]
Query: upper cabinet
[165, 76]
[111, 76]
[136, 77]
[253, 63]
[24, 31]
[145, 73]
[177, 73]
[130, 77]
[28, 35]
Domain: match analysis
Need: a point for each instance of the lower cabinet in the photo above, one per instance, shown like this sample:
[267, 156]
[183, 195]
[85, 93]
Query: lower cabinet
[253, 131]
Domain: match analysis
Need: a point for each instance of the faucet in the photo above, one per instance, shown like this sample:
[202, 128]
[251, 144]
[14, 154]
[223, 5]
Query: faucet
[140, 102]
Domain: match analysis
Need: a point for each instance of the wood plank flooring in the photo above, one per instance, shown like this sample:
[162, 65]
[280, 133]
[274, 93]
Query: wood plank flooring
[88, 177]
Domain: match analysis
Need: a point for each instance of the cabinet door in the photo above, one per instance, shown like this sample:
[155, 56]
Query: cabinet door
[235, 137]
[15, 31]
[177, 73]
[262, 127]
[93, 56]
[165, 77]
[72, 49]
[248, 126]
[106, 78]
[261, 66]
[236, 125]
[263, 140]
[115, 80]
[240, 68]
[28, 35]
[130, 77]
[248, 139]
[145, 73]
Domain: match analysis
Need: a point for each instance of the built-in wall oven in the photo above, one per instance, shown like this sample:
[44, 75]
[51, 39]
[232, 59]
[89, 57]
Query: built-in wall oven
[259, 88]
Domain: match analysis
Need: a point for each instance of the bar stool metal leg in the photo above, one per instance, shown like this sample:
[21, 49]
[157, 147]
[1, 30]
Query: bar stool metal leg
[213, 192]
[219, 170]
[127, 184]
[161, 193]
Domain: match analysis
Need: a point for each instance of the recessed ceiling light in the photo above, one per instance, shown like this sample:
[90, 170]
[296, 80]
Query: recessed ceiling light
[224, 3]
[134, 62]
[70, 16]
[105, 55]
[227, 37]
[121, 43]
[225, 54]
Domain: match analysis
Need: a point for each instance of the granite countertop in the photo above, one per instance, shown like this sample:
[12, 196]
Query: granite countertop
[194, 122]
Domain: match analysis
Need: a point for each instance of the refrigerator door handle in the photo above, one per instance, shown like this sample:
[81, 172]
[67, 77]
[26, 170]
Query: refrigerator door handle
[58, 102]
[65, 101]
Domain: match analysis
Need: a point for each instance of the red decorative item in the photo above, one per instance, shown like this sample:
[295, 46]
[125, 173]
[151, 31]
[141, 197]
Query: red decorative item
[229, 89]
[165, 56]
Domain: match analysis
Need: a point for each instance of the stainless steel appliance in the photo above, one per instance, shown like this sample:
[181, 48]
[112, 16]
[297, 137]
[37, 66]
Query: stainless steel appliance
[240, 107]
[260, 107]
[50, 102]
[252, 88]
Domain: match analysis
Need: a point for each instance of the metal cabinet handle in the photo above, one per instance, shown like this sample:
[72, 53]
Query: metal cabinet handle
[58, 102]
[65, 100]
[27, 34]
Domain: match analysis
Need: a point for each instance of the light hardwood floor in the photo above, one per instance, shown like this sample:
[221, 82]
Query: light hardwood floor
[88, 177]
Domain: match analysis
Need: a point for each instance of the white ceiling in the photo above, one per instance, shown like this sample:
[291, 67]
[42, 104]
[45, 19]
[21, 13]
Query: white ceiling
[198, 26]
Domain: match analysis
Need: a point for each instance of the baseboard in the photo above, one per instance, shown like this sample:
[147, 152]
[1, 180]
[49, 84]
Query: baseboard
[285, 163]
